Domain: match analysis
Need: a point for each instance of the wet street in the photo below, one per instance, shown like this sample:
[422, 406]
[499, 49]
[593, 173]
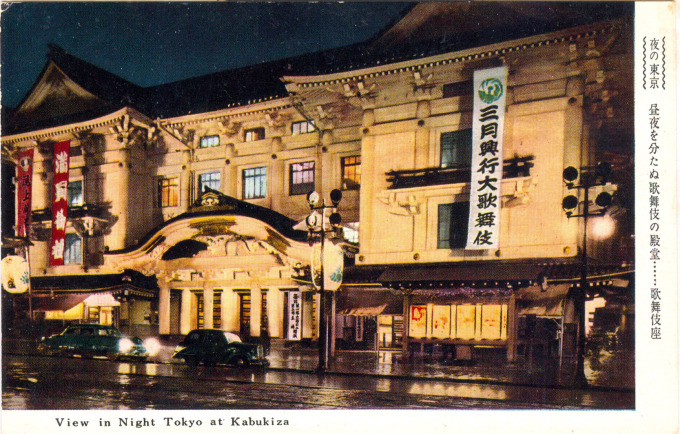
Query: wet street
[32, 381]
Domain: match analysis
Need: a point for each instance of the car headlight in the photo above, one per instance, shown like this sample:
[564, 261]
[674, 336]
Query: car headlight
[153, 346]
[125, 345]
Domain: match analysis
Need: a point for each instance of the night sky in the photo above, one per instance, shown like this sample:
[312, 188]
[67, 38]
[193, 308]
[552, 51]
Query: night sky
[153, 43]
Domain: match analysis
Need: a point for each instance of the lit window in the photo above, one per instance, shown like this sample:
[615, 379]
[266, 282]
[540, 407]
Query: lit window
[452, 225]
[210, 180]
[168, 192]
[351, 172]
[302, 178]
[456, 149]
[73, 249]
[75, 193]
[209, 141]
[255, 183]
[351, 232]
[253, 134]
[303, 127]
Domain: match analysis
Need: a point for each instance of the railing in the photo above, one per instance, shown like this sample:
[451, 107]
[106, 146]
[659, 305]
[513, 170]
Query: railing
[78, 211]
[512, 168]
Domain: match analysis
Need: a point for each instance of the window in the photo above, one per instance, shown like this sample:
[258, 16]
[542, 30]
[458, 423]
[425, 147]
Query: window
[75, 193]
[452, 225]
[168, 192]
[244, 314]
[254, 134]
[303, 127]
[351, 172]
[301, 178]
[456, 149]
[209, 141]
[255, 183]
[210, 180]
[73, 249]
[460, 88]
[351, 232]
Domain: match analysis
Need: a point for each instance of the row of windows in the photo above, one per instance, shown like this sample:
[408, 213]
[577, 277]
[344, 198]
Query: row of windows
[460, 88]
[302, 181]
[253, 134]
[451, 225]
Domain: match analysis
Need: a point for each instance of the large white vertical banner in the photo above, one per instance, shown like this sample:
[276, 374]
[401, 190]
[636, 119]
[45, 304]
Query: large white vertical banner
[488, 113]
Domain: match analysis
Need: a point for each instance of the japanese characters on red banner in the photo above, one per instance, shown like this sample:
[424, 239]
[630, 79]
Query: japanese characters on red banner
[487, 157]
[59, 202]
[24, 188]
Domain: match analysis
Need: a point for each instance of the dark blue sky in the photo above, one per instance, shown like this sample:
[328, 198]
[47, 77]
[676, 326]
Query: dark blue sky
[152, 43]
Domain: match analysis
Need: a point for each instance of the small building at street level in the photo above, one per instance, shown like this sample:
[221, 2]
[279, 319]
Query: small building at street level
[475, 146]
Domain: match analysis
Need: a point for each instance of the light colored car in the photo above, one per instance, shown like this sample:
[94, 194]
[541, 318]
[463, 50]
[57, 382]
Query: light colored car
[88, 340]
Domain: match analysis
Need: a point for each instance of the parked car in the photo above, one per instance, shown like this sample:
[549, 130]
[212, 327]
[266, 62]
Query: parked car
[94, 340]
[217, 346]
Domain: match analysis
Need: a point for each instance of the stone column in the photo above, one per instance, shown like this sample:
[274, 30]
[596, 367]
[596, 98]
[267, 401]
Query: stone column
[185, 181]
[163, 307]
[208, 297]
[120, 206]
[275, 312]
[255, 309]
[512, 331]
[185, 312]
[229, 310]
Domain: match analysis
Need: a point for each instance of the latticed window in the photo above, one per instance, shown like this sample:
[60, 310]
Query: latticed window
[456, 149]
[459, 88]
[244, 314]
[210, 180]
[209, 141]
[253, 134]
[168, 192]
[75, 193]
[255, 183]
[351, 172]
[453, 225]
[73, 249]
[303, 127]
[301, 178]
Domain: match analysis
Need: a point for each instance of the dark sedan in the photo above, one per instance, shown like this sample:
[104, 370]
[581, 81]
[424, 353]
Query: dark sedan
[217, 346]
[89, 340]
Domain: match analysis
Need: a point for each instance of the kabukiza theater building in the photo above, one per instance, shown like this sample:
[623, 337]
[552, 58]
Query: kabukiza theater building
[449, 134]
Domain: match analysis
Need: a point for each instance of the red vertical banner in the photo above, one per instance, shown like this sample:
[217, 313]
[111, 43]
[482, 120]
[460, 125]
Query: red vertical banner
[24, 176]
[59, 202]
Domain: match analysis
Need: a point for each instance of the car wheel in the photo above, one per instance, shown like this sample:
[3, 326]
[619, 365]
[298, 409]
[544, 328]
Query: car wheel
[191, 361]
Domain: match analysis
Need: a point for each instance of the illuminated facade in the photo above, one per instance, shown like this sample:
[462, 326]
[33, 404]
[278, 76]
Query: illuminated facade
[202, 184]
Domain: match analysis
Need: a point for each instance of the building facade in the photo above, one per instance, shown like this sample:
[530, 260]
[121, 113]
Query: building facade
[188, 199]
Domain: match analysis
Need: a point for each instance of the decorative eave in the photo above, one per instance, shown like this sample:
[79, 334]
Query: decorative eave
[386, 67]
[232, 111]
[135, 117]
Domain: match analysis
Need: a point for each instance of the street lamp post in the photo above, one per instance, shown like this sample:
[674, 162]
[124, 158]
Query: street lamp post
[589, 177]
[317, 227]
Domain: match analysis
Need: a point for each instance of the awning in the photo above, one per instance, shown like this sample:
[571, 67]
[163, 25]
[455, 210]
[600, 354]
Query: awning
[62, 302]
[364, 311]
[463, 272]
[547, 302]
[368, 302]
[544, 308]
[131, 281]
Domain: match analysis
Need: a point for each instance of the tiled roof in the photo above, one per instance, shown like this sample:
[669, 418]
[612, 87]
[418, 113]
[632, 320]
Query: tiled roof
[262, 82]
